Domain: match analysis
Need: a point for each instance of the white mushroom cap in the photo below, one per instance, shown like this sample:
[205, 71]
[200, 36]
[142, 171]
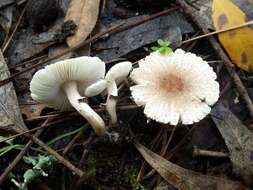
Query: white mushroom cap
[46, 84]
[116, 74]
[96, 88]
[119, 72]
[179, 87]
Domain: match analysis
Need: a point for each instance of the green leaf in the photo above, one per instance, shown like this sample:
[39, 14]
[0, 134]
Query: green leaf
[165, 50]
[30, 160]
[164, 43]
[162, 50]
[154, 48]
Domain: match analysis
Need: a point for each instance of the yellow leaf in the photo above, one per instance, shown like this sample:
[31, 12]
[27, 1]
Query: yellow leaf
[238, 43]
[84, 13]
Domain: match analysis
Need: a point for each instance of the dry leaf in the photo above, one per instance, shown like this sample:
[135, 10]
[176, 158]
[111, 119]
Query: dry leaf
[238, 43]
[238, 139]
[10, 115]
[33, 110]
[184, 179]
[203, 10]
[84, 13]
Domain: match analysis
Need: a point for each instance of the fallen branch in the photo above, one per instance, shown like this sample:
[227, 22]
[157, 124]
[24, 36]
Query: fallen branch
[208, 153]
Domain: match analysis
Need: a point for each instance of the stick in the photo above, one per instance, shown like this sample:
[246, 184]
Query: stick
[219, 31]
[201, 152]
[228, 64]
[15, 29]
[61, 159]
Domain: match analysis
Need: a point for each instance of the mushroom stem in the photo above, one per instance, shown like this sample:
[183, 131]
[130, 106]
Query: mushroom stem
[112, 95]
[77, 101]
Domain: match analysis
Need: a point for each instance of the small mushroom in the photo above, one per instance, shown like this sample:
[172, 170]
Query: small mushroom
[114, 76]
[175, 88]
[61, 85]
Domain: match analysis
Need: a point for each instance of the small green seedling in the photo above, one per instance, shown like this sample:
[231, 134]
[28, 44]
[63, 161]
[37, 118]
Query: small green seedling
[163, 47]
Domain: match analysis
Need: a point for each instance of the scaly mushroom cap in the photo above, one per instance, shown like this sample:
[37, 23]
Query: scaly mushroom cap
[46, 84]
[175, 88]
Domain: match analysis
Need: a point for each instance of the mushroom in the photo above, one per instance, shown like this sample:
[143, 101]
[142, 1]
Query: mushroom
[61, 85]
[114, 76]
[179, 87]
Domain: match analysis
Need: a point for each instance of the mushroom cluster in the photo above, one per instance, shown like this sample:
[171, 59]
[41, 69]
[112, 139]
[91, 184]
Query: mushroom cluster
[67, 84]
[176, 88]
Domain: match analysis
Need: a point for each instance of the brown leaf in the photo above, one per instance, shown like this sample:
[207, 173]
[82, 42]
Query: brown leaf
[184, 179]
[33, 110]
[238, 139]
[84, 13]
[10, 115]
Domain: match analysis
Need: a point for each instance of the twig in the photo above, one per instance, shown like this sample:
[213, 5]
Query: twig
[171, 153]
[61, 159]
[228, 64]
[70, 144]
[51, 151]
[20, 155]
[112, 30]
[219, 31]
[201, 152]
[96, 108]
[163, 152]
[15, 29]
[26, 132]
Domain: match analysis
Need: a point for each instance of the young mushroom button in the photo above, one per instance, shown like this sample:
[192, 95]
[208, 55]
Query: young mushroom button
[61, 85]
[116, 74]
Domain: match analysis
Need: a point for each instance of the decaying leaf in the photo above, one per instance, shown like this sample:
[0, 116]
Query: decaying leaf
[27, 43]
[6, 18]
[238, 43]
[169, 27]
[84, 13]
[238, 139]
[10, 115]
[203, 10]
[33, 110]
[184, 179]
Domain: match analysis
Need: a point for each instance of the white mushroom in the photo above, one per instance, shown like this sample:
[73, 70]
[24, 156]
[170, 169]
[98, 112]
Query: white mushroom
[114, 76]
[117, 74]
[96, 88]
[179, 87]
[61, 85]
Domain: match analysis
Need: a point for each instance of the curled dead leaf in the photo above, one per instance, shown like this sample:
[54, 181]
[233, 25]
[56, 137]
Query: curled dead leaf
[84, 14]
[184, 179]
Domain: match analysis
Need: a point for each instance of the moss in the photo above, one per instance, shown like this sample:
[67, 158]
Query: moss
[130, 175]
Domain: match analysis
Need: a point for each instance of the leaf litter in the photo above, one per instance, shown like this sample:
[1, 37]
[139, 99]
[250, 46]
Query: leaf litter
[112, 163]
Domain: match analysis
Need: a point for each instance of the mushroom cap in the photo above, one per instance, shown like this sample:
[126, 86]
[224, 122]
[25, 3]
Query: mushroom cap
[46, 84]
[175, 88]
[96, 88]
[119, 72]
